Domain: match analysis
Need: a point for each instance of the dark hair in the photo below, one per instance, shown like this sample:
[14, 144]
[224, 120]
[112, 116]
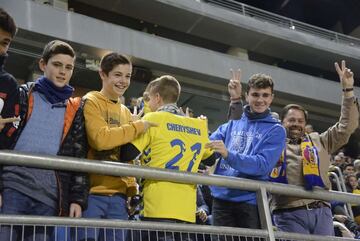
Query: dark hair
[167, 87]
[111, 60]
[57, 47]
[7, 23]
[348, 165]
[260, 81]
[286, 109]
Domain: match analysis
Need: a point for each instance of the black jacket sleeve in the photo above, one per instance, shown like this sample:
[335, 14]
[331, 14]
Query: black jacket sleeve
[210, 160]
[75, 144]
[9, 95]
[128, 152]
[235, 110]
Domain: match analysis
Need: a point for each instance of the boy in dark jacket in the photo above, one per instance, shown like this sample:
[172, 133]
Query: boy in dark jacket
[51, 125]
[9, 95]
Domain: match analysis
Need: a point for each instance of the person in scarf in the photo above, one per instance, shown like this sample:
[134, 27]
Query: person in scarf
[177, 143]
[50, 125]
[249, 148]
[305, 161]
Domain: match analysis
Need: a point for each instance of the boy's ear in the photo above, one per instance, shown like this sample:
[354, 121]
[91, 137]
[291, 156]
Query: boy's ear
[42, 64]
[102, 74]
[159, 99]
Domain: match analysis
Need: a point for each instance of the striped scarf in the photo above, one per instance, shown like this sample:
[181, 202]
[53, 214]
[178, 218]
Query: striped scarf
[311, 161]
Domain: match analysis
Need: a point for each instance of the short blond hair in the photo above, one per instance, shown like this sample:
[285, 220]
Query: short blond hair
[168, 88]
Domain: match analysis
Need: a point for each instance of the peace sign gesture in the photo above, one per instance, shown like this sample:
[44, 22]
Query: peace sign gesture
[234, 86]
[345, 75]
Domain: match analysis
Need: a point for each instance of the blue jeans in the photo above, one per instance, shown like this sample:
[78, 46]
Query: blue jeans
[315, 221]
[15, 202]
[104, 207]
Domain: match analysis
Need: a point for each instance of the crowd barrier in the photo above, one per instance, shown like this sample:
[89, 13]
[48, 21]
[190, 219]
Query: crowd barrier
[177, 231]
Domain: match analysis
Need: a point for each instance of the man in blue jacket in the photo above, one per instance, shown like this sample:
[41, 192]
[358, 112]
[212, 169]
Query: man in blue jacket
[249, 148]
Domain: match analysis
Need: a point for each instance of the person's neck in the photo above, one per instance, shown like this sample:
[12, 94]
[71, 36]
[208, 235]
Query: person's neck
[171, 108]
[3, 57]
[254, 115]
[110, 97]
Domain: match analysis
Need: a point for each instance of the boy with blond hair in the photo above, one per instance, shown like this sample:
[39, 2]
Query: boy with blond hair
[178, 143]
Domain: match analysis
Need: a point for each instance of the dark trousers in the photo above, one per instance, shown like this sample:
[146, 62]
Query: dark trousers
[234, 214]
[137, 235]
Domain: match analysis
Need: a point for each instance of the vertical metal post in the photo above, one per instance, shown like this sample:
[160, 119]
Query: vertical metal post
[342, 182]
[264, 212]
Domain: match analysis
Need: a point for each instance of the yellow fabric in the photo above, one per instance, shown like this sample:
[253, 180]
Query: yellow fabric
[276, 171]
[108, 126]
[310, 161]
[188, 137]
[356, 191]
[146, 107]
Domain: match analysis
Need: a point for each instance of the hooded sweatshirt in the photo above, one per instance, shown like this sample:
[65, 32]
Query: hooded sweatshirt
[254, 145]
[108, 126]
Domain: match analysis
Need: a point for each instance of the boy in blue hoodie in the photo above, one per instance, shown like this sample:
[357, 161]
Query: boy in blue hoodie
[249, 148]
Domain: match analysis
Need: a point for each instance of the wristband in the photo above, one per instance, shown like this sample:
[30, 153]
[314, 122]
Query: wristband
[347, 89]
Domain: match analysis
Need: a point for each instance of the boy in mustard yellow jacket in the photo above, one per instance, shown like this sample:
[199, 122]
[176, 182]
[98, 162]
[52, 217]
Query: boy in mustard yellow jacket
[109, 124]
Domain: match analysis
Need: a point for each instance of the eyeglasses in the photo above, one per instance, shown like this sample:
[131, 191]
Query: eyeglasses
[258, 95]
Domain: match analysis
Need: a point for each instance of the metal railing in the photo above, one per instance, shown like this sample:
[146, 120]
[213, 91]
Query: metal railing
[285, 22]
[118, 169]
[340, 183]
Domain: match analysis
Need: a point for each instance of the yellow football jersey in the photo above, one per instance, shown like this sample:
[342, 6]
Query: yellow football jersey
[178, 143]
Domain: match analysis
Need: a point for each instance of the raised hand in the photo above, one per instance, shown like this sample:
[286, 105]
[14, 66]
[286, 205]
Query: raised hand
[135, 115]
[234, 86]
[345, 75]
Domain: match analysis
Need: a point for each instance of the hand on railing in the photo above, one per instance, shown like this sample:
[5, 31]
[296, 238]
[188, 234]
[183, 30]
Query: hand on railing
[75, 211]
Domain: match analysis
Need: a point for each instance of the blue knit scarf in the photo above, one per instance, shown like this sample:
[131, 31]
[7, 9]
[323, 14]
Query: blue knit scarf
[52, 93]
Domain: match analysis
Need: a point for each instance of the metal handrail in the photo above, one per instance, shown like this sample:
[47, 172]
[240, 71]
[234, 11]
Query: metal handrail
[282, 21]
[342, 183]
[155, 226]
[339, 188]
[120, 169]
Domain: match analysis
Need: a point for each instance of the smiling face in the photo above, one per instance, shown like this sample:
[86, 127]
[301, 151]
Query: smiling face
[58, 69]
[259, 99]
[294, 123]
[116, 82]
